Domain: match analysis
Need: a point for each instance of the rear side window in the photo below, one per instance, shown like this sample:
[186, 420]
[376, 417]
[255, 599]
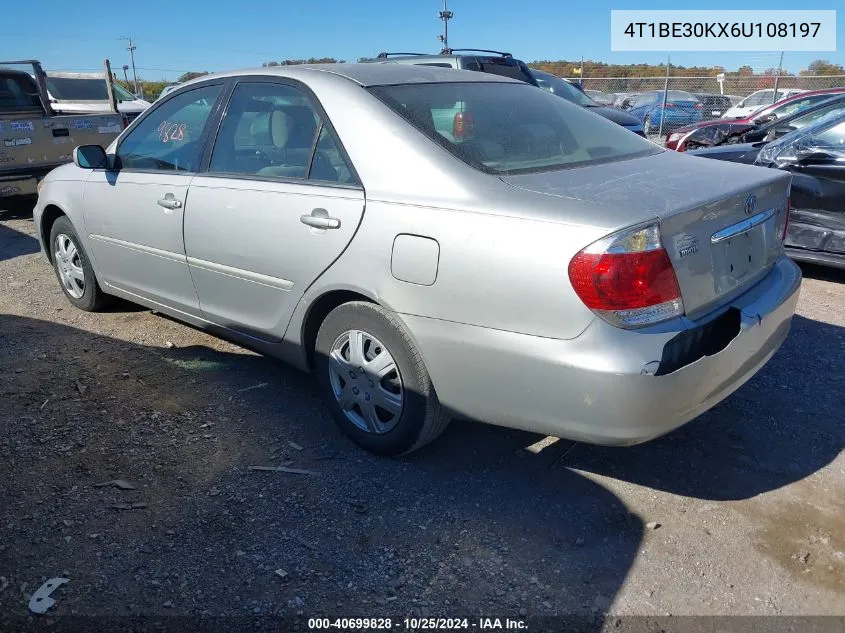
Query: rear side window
[508, 128]
[18, 92]
[804, 120]
[272, 130]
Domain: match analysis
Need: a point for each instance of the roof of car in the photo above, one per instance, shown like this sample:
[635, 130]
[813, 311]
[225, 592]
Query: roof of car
[371, 74]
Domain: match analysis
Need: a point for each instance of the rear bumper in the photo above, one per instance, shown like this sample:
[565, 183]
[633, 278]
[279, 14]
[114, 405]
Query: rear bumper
[600, 387]
[23, 182]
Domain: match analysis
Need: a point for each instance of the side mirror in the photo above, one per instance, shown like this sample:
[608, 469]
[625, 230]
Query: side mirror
[763, 120]
[810, 155]
[89, 157]
[782, 130]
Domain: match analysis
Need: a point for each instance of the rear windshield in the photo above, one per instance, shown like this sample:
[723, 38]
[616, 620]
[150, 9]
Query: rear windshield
[508, 128]
[504, 67]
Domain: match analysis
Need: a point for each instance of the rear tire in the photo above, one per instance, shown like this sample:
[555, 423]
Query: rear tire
[647, 126]
[390, 408]
[73, 268]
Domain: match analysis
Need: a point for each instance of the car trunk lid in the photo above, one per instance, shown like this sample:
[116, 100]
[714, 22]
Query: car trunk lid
[719, 222]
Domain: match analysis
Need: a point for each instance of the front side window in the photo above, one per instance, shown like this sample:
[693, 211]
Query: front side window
[272, 130]
[758, 99]
[797, 105]
[832, 138]
[508, 128]
[169, 138]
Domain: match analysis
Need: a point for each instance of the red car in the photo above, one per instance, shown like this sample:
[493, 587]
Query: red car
[677, 139]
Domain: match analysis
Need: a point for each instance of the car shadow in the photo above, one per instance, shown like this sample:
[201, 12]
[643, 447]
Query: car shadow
[484, 520]
[18, 208]
[474, 524]
[785, 424]
[823, 273]
[14, 243]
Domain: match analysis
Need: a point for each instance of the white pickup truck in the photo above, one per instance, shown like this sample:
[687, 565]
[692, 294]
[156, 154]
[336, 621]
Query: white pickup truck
[33, 138]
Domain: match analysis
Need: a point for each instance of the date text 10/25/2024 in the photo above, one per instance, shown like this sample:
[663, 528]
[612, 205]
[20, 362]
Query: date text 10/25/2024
[417, 624]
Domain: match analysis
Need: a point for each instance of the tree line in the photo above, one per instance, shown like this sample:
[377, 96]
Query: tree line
[561, 68]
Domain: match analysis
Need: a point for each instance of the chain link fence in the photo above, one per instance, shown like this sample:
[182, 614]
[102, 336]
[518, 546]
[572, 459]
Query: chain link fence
[693, 99]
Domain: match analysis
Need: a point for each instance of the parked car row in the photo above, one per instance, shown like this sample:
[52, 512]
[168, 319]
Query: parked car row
[699, 133]
[810, 145]
[420, 238]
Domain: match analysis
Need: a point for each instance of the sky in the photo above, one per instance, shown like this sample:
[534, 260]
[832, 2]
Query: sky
[210, 35]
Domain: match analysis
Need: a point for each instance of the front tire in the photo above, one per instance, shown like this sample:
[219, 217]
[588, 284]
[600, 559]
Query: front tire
[374, 382]
[73, 268]
[647, 126]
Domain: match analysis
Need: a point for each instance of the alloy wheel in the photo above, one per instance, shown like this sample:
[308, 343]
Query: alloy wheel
[69, 265]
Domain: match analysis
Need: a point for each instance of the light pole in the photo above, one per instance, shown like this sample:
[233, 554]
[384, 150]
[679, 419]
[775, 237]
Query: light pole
[445, 15]
[125, 77]
[131, 48]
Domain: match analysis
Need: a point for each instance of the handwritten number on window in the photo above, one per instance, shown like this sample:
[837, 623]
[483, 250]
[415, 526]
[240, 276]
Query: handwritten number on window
[171, 131]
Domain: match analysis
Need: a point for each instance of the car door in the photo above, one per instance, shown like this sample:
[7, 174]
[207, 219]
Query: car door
[818, 192]
[277, 205]
[134, 213]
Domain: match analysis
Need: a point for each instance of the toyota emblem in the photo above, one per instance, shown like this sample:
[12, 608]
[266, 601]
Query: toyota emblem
[750, 203]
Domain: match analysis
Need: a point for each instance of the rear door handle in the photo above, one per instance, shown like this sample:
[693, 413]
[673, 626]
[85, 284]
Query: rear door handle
[170, 202]
[320, 219]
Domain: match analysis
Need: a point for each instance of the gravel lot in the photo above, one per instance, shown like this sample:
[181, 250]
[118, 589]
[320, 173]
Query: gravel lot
[748, 498]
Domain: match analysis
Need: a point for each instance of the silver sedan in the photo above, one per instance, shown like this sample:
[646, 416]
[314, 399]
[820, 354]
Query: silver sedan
[434, 243]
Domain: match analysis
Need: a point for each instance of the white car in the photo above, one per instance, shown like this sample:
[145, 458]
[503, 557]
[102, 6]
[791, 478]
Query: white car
[757, 100]
[168, 89]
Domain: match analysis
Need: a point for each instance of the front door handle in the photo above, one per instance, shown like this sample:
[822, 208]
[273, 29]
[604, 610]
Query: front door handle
[320, 219]
[170, 202]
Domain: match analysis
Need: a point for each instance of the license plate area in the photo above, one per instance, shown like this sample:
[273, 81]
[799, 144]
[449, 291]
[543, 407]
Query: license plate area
[738, 258]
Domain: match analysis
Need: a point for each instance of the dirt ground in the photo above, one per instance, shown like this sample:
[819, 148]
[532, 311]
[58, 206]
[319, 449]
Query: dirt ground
[748, 498]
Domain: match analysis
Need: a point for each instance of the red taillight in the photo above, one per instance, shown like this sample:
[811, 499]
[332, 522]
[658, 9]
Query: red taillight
[669, 104]
[125, 120]
[627, 279]
[698, 106]
[461, 125]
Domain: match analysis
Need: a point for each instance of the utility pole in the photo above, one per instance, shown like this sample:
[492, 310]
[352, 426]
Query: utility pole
[445, 15]
[131, 48]
[777, 78]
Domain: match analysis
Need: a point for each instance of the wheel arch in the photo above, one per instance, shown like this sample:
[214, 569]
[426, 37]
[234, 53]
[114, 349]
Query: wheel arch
[51, 213]
[319, 310]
